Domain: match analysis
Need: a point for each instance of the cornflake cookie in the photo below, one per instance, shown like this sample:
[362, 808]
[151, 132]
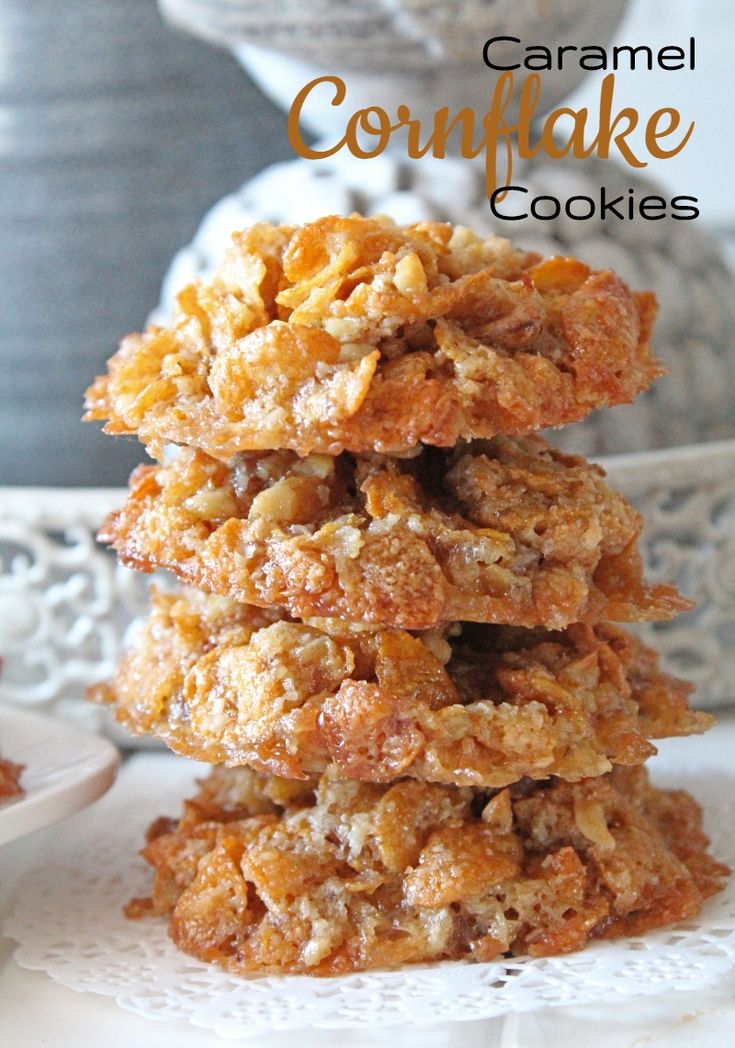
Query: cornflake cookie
[10, 774]
[267, 875]
[357, 334]
[479, 706]
[508, 531]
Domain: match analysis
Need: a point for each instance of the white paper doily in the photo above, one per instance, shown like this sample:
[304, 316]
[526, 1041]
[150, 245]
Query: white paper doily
[69, 924]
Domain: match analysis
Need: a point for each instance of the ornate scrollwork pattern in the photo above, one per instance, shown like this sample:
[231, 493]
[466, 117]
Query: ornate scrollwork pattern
[687, 497]
[65, 603]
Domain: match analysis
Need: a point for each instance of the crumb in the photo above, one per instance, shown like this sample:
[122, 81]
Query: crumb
[10, 774]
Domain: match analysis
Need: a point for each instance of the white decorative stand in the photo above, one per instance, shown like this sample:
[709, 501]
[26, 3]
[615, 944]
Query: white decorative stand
[422, 53]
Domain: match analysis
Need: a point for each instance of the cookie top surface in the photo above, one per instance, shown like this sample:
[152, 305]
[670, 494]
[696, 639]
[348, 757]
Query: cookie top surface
[358, 334]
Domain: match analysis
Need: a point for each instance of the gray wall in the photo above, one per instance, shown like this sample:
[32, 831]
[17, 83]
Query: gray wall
[119, 133]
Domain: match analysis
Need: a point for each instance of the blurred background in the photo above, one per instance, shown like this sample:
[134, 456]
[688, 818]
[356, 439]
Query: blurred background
[118, 133]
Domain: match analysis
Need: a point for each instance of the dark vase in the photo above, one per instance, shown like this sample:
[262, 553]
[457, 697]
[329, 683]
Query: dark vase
[118, 132]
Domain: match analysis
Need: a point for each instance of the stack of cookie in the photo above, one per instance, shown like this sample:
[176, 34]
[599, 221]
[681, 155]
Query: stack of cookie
[402, 651]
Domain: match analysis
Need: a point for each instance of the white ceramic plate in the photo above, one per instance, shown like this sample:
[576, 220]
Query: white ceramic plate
[65, 770]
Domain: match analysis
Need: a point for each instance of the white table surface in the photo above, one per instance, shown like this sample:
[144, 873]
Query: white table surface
[34, 1011]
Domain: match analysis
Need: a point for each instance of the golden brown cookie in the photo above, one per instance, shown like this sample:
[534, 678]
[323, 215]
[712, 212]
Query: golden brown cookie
[264, 875]
[357, 334]
[508, 531]
[472, 706]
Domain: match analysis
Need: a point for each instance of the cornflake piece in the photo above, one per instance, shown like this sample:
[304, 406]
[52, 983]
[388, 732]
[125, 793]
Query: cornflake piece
[508, 531]
[223, 682]
[459, 337]
[338, 877]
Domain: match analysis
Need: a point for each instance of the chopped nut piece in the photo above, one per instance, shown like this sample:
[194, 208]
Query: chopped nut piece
[410, 277]
[498, 812]
[590, 819]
